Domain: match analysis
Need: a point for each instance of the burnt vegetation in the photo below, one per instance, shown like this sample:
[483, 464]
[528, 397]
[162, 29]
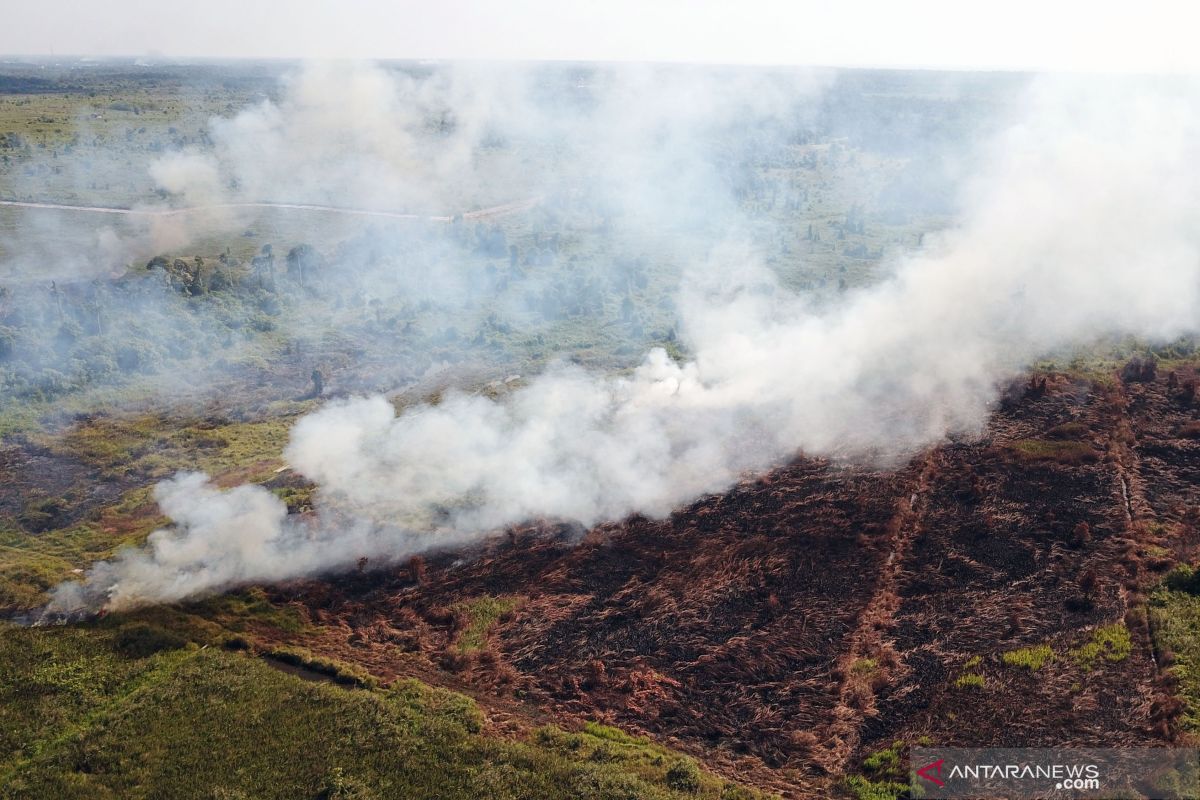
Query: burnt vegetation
[804, 620]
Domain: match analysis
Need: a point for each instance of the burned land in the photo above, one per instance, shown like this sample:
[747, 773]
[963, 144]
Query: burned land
[604, 447]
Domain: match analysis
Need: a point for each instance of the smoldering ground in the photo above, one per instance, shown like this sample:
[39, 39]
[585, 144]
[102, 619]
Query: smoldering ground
[1077, 221]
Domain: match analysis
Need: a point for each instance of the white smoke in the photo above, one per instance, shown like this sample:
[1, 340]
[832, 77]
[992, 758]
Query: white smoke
[1082, 224]
[353, 134]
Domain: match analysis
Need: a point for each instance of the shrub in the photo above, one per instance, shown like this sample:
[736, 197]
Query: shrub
[684, 776]
[1183, 579]
[864, 789]
[864, 666]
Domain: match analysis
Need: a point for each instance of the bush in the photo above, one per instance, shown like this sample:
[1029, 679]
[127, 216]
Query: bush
[1183, 579]
[863, 789]
[684, 776]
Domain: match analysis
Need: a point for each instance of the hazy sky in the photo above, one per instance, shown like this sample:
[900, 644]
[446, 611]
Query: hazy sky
[1148, 35]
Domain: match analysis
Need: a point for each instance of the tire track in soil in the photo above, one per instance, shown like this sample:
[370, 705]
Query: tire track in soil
[1139, 523]
[869, 640]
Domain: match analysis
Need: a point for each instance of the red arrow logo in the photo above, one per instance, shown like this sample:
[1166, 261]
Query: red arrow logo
[932, 772]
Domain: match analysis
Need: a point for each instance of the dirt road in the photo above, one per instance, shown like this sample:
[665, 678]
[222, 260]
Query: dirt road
[483, 213]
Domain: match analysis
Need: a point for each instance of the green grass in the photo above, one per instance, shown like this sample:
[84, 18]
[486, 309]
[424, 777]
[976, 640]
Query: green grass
[139, 450]
[31, 564]
[1109, 643]
[885, 775]
[864, 666]
[156, 446]
[861, 788]
[1032, 658]
[1174, 611]
[338, 671]
[970, 680]
[124, 711]
[481, 614]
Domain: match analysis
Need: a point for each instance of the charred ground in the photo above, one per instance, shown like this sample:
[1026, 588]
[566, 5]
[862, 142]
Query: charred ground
[791, 628]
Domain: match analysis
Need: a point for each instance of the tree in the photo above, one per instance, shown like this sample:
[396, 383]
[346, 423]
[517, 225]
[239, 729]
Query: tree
[304, 263]
[263, 266]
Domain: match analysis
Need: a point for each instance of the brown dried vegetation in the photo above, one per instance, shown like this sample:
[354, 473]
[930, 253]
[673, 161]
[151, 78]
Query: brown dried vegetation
[787, 628]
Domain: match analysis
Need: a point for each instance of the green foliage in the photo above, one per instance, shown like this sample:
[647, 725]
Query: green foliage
[141, 640]
[611, 734]
[887, 763]
[339, 671]
[1183, 578]
[1110, 642]
[970, 680]
[864, 789]
[41, 513]
[83, 720]
[481, 613]
[1175, 623]
[241, 610]
[1033, 658]
[864, 666]
[684, 776]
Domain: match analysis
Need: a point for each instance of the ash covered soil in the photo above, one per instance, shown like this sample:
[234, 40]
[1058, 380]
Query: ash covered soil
[989, 592]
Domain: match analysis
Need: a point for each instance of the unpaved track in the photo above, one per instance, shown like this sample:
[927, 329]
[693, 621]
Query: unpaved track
[483, 213]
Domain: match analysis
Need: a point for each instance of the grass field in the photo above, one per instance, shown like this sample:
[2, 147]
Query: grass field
[130, 711]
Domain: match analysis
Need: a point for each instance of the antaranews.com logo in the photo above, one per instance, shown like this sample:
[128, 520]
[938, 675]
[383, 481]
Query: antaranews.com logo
[1034, 773]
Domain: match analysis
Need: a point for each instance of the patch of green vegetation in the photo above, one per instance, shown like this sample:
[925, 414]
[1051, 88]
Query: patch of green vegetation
[1174, 610]
[338, 671]
[1032, 658]
[886, 774]
[611, 734]
[864, 666]
[244, 609]
[154, 446]
[1110, 642]
[1183, 578]
[32, 564]
[973, 662]
[1059, 451]
[480, 614]
[87, 718]
[865, 789]
[298, 499]
[887, 763]
[141, 448]
[970, 680]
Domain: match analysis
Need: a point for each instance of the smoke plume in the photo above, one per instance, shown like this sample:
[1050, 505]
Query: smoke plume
[1078, 222]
